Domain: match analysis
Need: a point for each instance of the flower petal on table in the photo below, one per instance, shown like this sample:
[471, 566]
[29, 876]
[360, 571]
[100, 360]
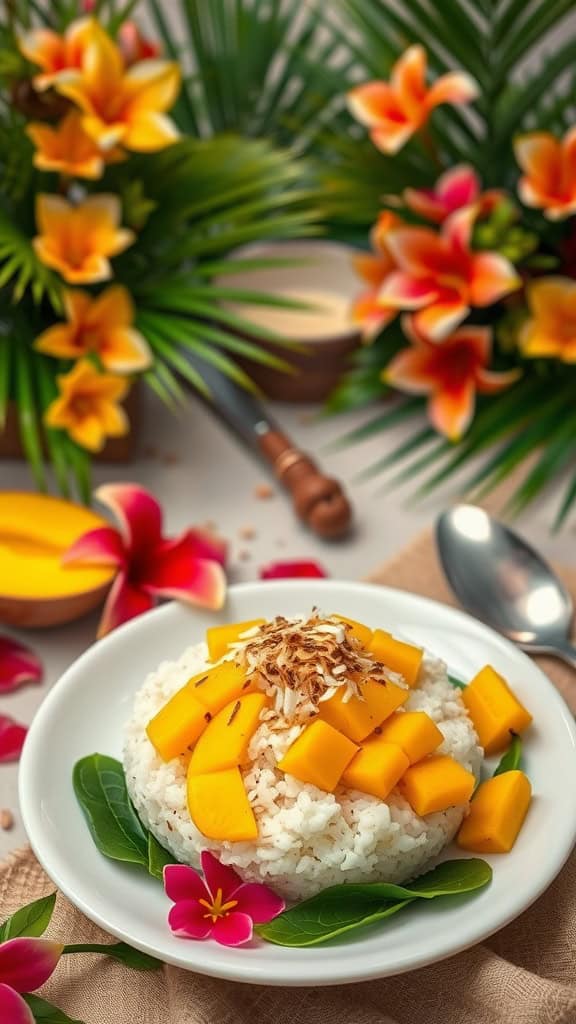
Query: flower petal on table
[124, 602]
[12, 736]
[138, 513]
[219, 876]
[25, 964]
[257, 900]
[188, 919]
[233, 930]
[97, 547]
[18, 665]
[184, 883]
[176, 571]
[13, 1009]
[297, 569]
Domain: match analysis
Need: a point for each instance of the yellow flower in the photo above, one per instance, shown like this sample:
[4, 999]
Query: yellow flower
[87, 406]
[78, 240]
[68, 149]
[103, 325]
[54, 54]
[551, 330]
[119, 105]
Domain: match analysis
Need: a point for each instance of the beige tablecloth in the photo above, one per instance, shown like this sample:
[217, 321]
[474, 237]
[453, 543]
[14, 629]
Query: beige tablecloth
[526, 974]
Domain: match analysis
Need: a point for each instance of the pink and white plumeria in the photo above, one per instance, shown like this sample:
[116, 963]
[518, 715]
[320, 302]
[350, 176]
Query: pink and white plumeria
[456, 188]
[18, 666]
[25, 964]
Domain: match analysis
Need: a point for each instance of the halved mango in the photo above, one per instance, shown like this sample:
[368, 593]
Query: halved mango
[376, 768]
[436, 783]
[494, 709]
[219, 638]
[357, 718]
[497, 814]
[396, 655]
[221, 684]
[177, 725]
[363, 634]
[219, 806]
[414, 732]
[225, 740]
[319, 756]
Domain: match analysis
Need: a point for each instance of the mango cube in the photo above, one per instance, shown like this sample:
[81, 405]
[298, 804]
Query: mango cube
[363, 634]
[376, 768]
[359, 716]
[219, 685]
[219, 806]
[219, 638]
[497, 814]
[177, 725]
[494, 710]
[225, 740]
[319, 756]
[397, 655]
[414, 732]
[436, 783]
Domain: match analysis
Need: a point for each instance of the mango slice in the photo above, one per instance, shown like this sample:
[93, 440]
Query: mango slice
[436, 783]
[319, 756]
[219, 638]
[494, 710]
[357, 718]
[414, 732]
[497, 814]
[362, 633]
[397, 655]
[219, 806]
[177, 725]
[376, 768]
[221, 684]
[225, 740]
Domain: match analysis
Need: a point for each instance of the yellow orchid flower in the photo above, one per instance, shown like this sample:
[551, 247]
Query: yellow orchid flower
[78, 240]
[67, 148]
[103, 325]
[55, 54]
[87, 407]
[550, 333]
[120, 105]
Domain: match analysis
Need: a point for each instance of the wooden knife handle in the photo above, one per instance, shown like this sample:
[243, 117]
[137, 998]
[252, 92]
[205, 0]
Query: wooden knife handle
[319, 500]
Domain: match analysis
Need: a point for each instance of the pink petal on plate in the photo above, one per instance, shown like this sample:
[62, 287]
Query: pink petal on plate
[124, 602]
[103, 546]
[13, 1009]
[184, 883]
[25, 964]
[219, 876]
[12, 736]
[18, 665]
[233, 930]
[138, 513]
[205, 545]
[292, 570]
[176, 571]
[258, 901]
[189, 920]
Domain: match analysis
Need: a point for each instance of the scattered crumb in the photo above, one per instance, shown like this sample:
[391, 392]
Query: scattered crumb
[247, 532]
[263, 492]
[6, 820]
[244, 555]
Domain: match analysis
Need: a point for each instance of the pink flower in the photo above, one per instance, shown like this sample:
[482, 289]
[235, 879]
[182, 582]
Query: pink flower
[12, 736]
[150, 566]
[219, 906]
[18, 665]
[134, 46]
[292, 570]
[458, 187]
[25, 964]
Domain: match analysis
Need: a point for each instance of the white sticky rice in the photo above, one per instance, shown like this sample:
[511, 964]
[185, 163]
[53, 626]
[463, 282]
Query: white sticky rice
[308, 839]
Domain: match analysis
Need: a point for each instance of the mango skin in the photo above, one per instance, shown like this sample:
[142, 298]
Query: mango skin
[219, 806]
[495, 711]
[319, 756]
[397, 655]
[435, 784]
[497, 813]
[225, 740]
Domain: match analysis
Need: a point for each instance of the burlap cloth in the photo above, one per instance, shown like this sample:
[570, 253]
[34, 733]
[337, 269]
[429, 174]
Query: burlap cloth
[526, 974]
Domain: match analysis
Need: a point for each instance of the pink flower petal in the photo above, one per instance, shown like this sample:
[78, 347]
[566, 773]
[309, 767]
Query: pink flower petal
[184, 883]
[12, 736]
[233, 930]
[458, 187]
[188, 920]
[138, 513]
[219, 876]
[25, 964]
[258, 901]
[13, 1009]
[18, 665]
[292, 570]
[176, 571]
[103, 546]
[206, 545]
[124, 602]
[403, 291]
[425, 202]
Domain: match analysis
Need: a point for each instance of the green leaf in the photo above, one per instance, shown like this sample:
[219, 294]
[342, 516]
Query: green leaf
[118, 951]
[100, 787]
[343, 908]
[456, 682]
[31, 920]
[45, 1013]
[512, 759]
[158, 858]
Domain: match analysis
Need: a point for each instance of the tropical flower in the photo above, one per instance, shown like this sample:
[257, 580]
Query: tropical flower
[25, 964]
[79, 240]
[395, 110]
[551, 330]
[134, 46]
[123, 106]
[374, 268]
[12, 736]
[18, 665]
[103, 325]
[188, 568]
[458, 187]
[549, 166]
[87, 406]
[220, 906]
[54, 54]
[441, 278]
[450, 373]
[67, 148]
[296, 569]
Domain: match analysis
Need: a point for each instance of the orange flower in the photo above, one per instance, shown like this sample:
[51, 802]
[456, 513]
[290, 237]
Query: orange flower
[88, 406]
[551, 330]
[374, 268]
[549, 166]
[440, 277]
[450, 374]
[103, 325]
[394, 110]
[123, 106]
[68, 149]
[55, 54]
[78, 240]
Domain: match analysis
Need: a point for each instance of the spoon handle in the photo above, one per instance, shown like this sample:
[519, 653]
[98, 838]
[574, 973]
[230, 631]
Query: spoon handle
[565, 650]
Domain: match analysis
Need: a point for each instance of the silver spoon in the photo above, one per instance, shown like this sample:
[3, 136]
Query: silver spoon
[499, 579]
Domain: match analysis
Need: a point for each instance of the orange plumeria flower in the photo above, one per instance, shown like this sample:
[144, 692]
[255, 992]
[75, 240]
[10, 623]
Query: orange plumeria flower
[395, 110]
[55, 54]
[451, 374]
[103, 325]
[67, 148]
[123, 106]
[440, 277]
[458, 187]
[78, 240]
[374, 268]
[549, 166]
[87, 406]
[550, 333]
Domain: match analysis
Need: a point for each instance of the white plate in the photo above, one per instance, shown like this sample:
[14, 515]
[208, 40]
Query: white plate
[86, 710]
